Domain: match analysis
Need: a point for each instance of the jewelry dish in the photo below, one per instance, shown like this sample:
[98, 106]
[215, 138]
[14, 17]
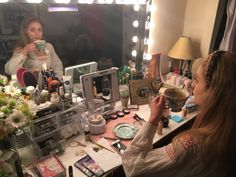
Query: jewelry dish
[125, 131]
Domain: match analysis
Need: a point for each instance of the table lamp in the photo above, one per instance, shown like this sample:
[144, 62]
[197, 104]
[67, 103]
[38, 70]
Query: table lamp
[182, 50]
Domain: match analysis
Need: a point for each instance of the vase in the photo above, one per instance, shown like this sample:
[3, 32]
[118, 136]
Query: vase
[10, 157]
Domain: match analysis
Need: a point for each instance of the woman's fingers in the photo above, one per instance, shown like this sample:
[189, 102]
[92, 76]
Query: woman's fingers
[162, 100]
[31, 47]
[159, 100]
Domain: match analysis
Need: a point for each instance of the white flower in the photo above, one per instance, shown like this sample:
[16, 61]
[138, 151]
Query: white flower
[32, 106]
[11, 90]
[16, 120]
[2, 115]
[4, 79]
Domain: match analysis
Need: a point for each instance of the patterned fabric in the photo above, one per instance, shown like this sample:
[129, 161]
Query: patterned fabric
[188, 141]
[170, 151]
[179, 159]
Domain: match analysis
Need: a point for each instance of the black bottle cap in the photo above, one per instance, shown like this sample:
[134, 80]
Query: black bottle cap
[70, 169]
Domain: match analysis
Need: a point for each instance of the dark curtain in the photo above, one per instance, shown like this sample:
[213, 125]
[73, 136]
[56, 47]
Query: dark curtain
[219, 26]
[228, 43]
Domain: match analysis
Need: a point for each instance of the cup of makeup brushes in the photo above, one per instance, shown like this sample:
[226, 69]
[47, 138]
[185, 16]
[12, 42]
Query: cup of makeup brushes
[176, 98]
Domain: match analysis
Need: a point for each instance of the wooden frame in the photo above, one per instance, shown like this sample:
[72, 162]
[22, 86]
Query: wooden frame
[140, 90]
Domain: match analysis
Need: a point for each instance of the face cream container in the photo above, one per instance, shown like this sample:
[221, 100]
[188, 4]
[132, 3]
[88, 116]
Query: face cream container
[113, 116]
[126, 111]
[120, 114]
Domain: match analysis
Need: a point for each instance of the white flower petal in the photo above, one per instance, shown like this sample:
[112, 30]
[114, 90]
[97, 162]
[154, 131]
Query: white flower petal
[18, 119]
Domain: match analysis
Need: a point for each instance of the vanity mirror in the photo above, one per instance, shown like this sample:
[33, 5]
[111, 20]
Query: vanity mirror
[106, 33]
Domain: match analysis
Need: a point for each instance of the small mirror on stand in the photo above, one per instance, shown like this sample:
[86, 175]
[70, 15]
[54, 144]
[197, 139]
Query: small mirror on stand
[101, 85]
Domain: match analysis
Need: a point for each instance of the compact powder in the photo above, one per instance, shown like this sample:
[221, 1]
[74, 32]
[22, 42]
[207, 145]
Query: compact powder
[126, 111]
[113, 116]
[120, 114]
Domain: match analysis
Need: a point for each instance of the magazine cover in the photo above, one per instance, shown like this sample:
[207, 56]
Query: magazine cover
[89, 167]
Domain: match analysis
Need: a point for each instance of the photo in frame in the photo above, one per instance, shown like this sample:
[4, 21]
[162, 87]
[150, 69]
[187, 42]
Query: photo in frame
[140, 90]
[154, 67]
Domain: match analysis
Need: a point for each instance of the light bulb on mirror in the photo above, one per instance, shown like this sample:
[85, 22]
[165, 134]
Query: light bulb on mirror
[81, 1]
[3, 1]
[126, 2]
[134, 53]
[135, 23]
[152, 8]
[109, 1]
[142, 1]
[148, 41]
[135, 39]
[89, 1]
[101, 1]
[32, 1]
[149, 56]
[136, 7]
[119, 2]
[62, 1]
[147, 25]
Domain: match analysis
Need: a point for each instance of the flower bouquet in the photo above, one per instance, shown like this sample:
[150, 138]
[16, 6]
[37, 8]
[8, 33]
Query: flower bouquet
[16, 109]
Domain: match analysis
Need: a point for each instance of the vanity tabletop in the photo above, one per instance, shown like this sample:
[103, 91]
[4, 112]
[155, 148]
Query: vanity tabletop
[107, 158]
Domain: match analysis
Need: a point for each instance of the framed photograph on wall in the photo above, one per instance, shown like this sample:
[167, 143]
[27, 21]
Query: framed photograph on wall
[140, 90]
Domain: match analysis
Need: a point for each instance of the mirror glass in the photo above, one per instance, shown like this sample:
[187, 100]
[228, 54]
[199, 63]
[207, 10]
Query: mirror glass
[78, 70]
[95, 32]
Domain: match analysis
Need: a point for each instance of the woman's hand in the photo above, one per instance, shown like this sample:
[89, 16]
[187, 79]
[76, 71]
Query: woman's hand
[157, 106]
[28, 48]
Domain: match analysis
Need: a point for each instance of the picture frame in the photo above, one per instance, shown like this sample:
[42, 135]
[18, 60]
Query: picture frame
[154, 67]
[140, 90]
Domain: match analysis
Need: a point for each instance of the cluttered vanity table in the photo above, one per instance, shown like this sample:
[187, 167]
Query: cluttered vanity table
[108, 159]
[86, 137]
[84, 133]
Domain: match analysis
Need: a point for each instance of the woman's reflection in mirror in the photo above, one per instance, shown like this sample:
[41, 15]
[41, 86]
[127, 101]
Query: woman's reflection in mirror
[32, 55]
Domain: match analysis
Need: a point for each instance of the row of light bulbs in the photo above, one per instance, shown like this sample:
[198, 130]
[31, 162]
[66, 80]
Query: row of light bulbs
[87, 1]
[148, 25]
[147, 42]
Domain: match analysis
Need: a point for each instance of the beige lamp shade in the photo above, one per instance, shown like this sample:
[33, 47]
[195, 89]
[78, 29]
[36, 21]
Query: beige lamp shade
[182, 49]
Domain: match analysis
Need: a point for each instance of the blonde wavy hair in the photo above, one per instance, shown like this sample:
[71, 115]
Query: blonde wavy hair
[215, 125]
